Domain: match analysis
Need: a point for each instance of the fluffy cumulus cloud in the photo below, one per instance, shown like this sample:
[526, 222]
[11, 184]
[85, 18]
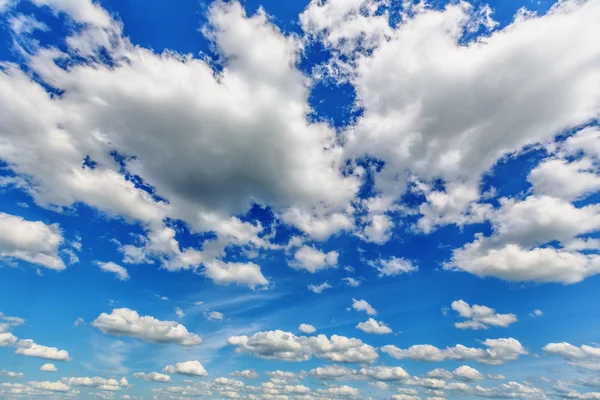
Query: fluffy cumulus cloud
[307, 328]
[190, 368]
[280, 345]
[32, 241]
[587, 357]
[313, 260]
[126, 322]
[152, 377]
[48, 368]
[520, 228]
[480, 317]
[363, 305]
[497, 351]
[28, 347]
[373, 326]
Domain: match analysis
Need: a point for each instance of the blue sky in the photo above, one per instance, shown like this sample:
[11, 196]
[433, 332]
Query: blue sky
[327, 199]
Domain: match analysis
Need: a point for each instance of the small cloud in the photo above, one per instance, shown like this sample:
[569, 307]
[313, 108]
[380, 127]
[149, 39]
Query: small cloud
[319, 288]
[351, 282]
[78, 321]
[179, 312]
[48, 368]
[307, 328]
[214, 316]
[536, 313]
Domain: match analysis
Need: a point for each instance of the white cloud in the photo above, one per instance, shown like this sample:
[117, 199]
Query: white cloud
[280, 345]
[383, 373]
[28, 348]
[315, 226]
[152, 377]
[393, 266]
[120, 272]
[48, 368]
[378, 230]
[373, 326]
[126, 322]
[50, 386]
[246, 274]
[214, 316]
[31, 241]
[519, 228]
[319, 288]
[333, 372]
[498, 351]
[246, 374]
[21, 24]
[563, 179]
[466, 373]
[84, 11]
[352, 282]
[11, 374]
[313, 260]
[7, 339]
[415, 119]
[179, 312]
[346, 24]
[363, 305]
[95, 382]
[190, 368]
[536, 313]
[480, 317]
[585, 356]
[307, 328]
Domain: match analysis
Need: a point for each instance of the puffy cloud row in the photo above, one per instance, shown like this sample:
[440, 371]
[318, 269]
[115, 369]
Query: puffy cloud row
[280, 345]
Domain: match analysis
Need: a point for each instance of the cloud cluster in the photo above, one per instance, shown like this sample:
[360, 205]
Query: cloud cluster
[497, 351]
[127, 322]
[280, 345]
[480, 317]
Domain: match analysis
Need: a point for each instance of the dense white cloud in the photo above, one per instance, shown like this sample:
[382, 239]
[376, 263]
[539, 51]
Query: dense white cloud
[191, 368]
[393, 266]
[466, 373]
[286, 346]
[152, 377]
[373, 326]
[312, 260]
[412, 119]
[126, 322]
[585, 356]
[7, 339]
[497, 351]
[50, 386]
[49, 368]
[363, 305]
[31, 241]
[120, 272]
[28, 348]
[246, 274]
[519, 228]
[480, 317]
[307, 328]
[382, 373]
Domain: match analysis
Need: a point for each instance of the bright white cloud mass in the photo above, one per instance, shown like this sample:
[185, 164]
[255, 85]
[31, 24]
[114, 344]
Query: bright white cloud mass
[274, 200]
